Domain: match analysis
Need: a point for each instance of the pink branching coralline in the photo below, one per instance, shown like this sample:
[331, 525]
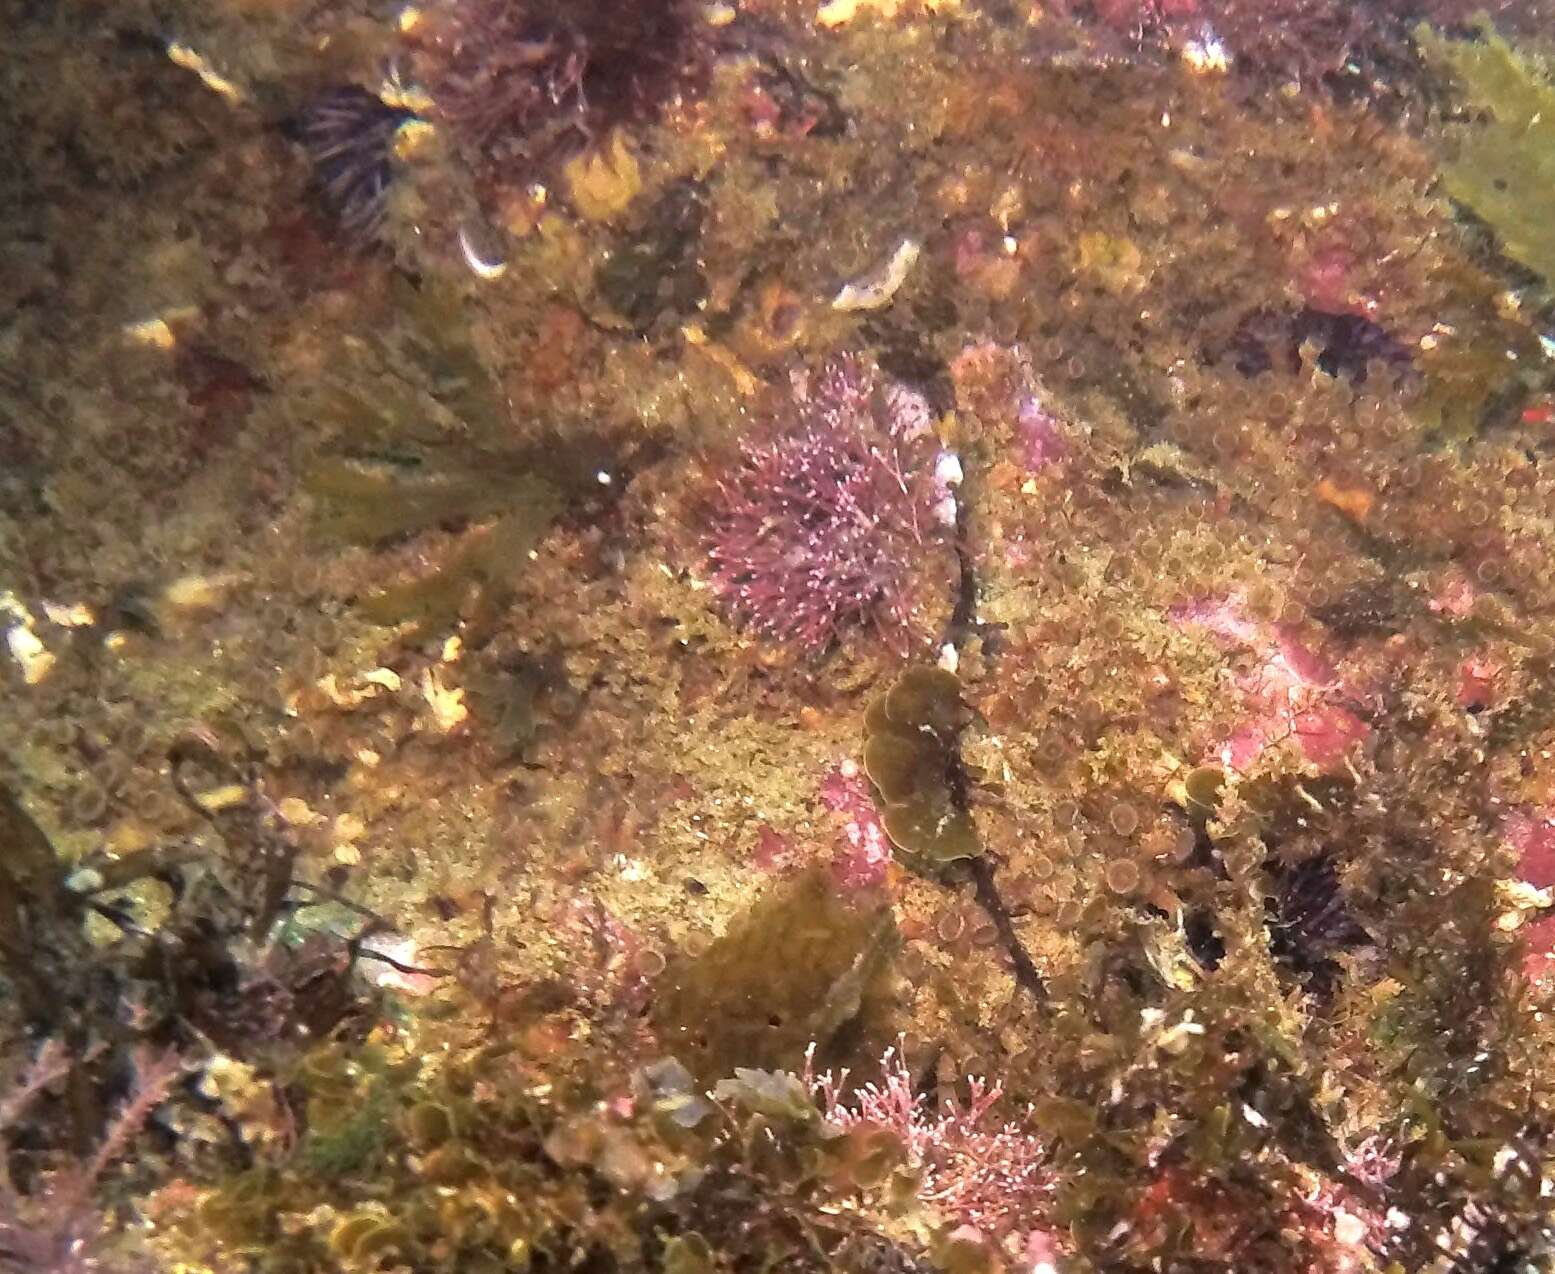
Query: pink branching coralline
[1039, 435]
[1347, 1230]
[824, 528]
[992, 1177]
[1308, 42]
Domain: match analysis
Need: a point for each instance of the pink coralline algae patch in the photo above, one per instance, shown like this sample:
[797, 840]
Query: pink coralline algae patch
[1454, 596]
[1292, 692]
[1039, 435]
[997, 384]
[863, 854]
[1476, 688]
[1539, 947]
[1532, 835]
[774, 852]
[1327, 282]
[824, 526]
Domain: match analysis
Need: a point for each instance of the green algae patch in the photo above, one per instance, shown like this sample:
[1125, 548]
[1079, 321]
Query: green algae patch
[423, 444]
[1505, 171]
[911, 755]
[803, 965]
[366, 503]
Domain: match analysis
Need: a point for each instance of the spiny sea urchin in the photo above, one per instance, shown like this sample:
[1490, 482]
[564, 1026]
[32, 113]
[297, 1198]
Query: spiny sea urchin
[1310, 921]
[348, 134]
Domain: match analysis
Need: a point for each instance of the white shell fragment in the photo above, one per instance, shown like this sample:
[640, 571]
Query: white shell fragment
[948, 476]
[481, 253]
[29, 651]
[875, 290]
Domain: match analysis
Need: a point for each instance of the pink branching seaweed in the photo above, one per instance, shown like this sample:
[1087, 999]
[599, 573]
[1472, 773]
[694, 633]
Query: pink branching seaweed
[1348, 1230]
[993, 1177]
[58, 1228]
[822, 529]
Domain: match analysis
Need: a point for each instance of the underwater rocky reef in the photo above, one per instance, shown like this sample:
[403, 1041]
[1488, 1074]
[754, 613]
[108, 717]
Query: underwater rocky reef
[777, 635]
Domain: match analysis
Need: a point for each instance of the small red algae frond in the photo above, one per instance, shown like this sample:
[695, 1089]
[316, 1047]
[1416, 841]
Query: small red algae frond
[61, 1229]
[822, 528]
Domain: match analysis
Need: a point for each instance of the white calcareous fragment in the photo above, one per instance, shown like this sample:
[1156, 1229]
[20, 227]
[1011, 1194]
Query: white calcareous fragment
[875, 290]
[385, 677]
[152, 331]
[446, 702]
[478, 245]
[199, 592]
[835, 13]
[29, 651]
[75, 615]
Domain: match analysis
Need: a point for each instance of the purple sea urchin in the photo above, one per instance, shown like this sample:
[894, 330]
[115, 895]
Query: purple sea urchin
[828, 525]
[349, 134]
[522, 82]
[1310, 921]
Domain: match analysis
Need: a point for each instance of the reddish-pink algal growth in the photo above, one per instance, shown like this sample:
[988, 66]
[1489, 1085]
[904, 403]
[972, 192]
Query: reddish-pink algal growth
[970, 1170]
[522, 82]
[863, 855]
[827, 525]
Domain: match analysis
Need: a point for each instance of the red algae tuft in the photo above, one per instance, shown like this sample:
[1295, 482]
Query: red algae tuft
[817, 532]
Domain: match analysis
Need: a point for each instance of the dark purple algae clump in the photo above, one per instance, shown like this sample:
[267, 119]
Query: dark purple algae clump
[524, 82]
